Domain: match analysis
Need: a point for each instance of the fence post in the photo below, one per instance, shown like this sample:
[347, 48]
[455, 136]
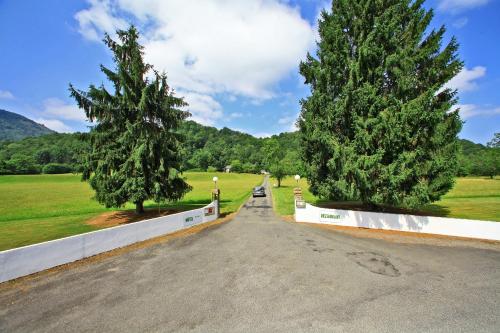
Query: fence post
[216, 197]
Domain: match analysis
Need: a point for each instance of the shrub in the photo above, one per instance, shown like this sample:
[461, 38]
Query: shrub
[23, 165]
[195, 170]
[211, 169]
[56, 168]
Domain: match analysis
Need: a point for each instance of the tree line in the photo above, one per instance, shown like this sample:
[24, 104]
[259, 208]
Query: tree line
[204, 149]
[210, 149]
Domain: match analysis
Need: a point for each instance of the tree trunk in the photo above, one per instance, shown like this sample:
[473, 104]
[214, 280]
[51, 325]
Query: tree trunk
[139, 207]
[279, 182]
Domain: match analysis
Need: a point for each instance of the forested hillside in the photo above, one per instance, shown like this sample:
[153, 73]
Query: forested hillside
[52, 153]
[205, 148]
[13, 126]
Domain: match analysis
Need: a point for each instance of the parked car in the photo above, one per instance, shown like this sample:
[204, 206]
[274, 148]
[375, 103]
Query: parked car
[259, 191]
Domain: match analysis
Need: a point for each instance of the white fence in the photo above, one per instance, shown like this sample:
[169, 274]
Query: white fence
[400, 222]
[38, 257]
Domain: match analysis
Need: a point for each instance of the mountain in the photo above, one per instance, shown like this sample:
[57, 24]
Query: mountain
[15, 127]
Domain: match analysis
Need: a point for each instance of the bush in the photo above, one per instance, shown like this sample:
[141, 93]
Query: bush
[195, 170]
[56, 168]
[22, 165]
[211, 169]
[236, 166]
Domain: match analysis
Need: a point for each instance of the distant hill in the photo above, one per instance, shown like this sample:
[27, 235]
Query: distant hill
[469, 147]
[15, 127]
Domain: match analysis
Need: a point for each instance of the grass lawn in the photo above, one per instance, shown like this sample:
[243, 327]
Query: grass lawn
[38, 208]
[471, 198]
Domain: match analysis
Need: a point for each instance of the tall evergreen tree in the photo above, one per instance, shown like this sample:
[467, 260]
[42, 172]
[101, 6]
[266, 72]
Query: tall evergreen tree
[378, 127]
[134, 153]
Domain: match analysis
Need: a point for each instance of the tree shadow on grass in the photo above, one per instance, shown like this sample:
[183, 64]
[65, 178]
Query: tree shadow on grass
[111, 219]
[428, 210]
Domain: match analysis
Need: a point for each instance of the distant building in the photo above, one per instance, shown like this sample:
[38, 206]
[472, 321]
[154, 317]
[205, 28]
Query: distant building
[227, 169]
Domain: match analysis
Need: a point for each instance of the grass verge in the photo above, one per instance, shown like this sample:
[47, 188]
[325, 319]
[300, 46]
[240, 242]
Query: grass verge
[39, 208]
[471, 198]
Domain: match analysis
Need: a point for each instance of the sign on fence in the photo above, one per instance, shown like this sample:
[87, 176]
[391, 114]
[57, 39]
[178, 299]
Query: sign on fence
[209, 211]
[329, 217]
[192, 220]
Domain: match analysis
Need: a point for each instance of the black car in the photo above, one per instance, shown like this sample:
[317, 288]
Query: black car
[259, 191]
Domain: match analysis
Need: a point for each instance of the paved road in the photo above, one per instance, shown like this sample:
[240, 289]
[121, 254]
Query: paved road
[259, 274]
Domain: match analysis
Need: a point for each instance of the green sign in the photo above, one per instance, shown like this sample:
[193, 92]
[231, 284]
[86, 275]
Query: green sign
[328, 217]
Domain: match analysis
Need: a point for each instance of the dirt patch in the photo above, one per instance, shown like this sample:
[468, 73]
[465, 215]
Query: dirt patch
[374, 262]
[111, 219]
[288, 218]
[411, 237]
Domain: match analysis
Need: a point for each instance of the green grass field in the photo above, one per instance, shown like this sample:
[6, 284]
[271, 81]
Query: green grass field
[38, 208]
[471, 198]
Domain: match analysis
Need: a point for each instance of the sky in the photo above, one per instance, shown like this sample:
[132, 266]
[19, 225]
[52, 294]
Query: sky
[235, 62]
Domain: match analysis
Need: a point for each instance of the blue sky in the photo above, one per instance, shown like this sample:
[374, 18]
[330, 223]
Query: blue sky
[234, 61]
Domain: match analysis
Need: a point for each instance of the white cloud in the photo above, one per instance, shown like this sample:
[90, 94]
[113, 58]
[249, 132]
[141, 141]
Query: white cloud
[262, 135]
[240, 48]
[460, 23]
[473, 110]
[289, 122]
[235, 115]
[465, 80]
[97, 19]
[455, 6]
[5, 94]
[55, 112]
[286, 120]
[55, 125]
[61, 110]
[204, 108]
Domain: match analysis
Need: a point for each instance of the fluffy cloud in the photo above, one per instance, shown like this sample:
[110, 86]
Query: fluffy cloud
[204, 108]
[473, 110]
[55, 112]
[235, 115]
[460, 23]
[289, 122]
[55, 125]
[236, 48]
[455, 6]
[465, 80]
[286, 120]
[99, 17]
[5, 94]
[59, 109]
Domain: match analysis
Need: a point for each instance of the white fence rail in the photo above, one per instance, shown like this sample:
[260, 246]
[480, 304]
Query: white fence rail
[38, 257]
[400, 222]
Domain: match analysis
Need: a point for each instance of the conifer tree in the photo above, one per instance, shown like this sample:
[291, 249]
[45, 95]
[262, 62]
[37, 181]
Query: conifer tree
[379, 126]
[134, 153]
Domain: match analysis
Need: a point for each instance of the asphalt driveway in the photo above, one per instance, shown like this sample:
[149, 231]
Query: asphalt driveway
[260, 274]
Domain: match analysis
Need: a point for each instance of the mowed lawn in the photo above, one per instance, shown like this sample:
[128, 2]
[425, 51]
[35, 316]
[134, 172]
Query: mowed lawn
[471, 198]
[38, 208]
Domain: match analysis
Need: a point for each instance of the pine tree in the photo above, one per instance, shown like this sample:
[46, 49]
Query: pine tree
[134, 153]
[377, 127]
